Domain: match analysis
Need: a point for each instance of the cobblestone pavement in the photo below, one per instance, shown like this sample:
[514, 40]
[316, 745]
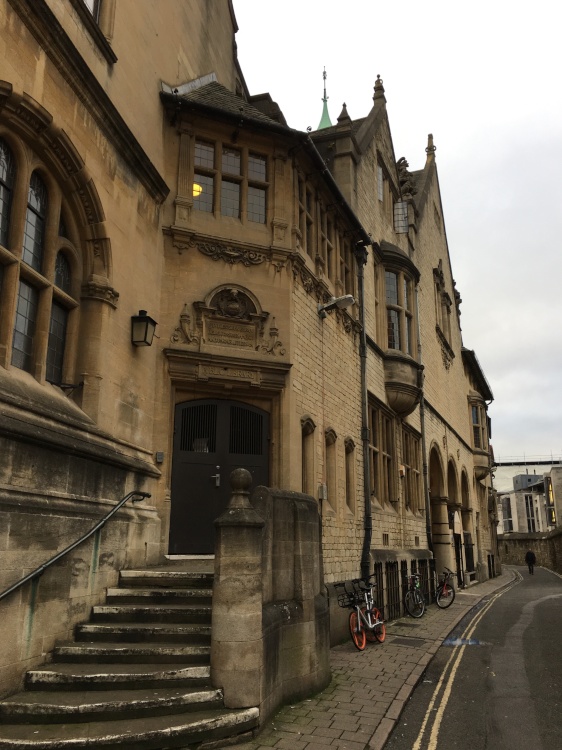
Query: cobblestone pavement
[369, 689]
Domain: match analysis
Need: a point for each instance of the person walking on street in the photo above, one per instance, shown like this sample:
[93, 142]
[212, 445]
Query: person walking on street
[530, 559]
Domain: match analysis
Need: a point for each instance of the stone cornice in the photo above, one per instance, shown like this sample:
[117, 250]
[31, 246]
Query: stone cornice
[44, 26]
[94, 30]
[230, 252]
[230, 372]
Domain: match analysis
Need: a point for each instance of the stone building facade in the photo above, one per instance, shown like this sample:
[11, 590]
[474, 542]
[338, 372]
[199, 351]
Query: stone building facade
[308, 319]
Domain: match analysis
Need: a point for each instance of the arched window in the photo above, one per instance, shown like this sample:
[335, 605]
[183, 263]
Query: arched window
[307, 445]
[34, 234]
[62, 272]
[330, 438]
[350, 474]
[7, 176]
[40, 277]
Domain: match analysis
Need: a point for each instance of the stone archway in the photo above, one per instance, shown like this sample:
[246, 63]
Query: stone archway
[468, 528]
[441, 534]
[455, 522]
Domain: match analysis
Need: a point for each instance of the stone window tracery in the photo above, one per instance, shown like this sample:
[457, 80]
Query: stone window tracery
[39, 272]
[399, 311]
[230, 181]
[412, 473]
[381, 455]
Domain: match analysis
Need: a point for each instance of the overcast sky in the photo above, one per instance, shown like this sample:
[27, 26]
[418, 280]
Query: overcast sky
[484, 78]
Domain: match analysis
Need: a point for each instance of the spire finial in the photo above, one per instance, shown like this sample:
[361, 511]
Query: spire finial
[344, 118]
[325, 121]
[430, 148]
[379, 90]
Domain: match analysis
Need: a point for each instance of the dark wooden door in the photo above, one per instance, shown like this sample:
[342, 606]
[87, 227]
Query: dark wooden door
[211, 438]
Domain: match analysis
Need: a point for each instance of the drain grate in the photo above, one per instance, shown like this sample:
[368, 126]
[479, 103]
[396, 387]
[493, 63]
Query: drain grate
[412, 642]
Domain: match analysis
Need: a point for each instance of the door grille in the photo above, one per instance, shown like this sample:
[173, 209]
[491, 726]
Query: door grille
[198, 428]
[246, 432]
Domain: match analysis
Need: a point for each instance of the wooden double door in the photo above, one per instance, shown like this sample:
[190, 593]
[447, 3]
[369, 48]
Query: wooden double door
[211, 438]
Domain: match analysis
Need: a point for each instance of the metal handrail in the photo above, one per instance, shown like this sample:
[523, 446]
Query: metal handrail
[42, 568]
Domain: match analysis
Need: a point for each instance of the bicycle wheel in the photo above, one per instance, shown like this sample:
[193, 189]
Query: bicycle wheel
[414, 603]
[445, 595]
[357, 631]
[378, 633]
[379, 630]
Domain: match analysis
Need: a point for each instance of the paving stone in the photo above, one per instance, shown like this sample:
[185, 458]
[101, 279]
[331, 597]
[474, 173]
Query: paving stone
[369, 689]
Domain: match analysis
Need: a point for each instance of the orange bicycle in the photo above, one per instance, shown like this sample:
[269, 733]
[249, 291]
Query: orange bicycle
[365, 620]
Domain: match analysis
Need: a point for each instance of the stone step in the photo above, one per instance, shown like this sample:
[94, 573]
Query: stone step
[146, 733]
[166, 578]
[198, 634]
[132, 652]
[53, 707]
[159, 595]
[187, 613]
[115, 676]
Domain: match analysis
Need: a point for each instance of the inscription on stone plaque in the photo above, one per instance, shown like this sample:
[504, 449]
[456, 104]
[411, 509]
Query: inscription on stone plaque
[228, 373]
[230, 334]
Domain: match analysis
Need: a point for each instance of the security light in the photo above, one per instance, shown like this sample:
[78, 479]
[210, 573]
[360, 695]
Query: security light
[341, 302]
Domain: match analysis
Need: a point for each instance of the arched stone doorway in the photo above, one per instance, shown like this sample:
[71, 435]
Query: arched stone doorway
[468, 529]
[440, 531]
[455, 523]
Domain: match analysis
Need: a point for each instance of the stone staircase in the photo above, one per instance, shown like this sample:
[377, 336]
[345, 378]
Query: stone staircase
[136, 676]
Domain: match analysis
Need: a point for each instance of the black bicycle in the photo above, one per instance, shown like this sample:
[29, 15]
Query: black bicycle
[445, 591]
[414, 601]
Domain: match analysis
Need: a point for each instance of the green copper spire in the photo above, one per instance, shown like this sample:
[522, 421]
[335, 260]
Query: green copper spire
[325, 121]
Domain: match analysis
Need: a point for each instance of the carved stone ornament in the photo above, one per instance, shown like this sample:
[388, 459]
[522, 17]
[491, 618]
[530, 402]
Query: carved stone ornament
[230, 316]
[407, 187]
[100, 291]
[217, 251]
[447, 353]
[273, 346]
[439, 276]
[185, 333]
[314, 286]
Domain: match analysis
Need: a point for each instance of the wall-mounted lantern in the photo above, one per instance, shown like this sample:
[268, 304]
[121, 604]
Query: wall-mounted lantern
[142, 329]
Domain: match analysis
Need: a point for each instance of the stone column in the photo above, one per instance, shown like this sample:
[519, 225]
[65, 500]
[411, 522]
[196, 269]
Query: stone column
[237, 638]
[443, 550]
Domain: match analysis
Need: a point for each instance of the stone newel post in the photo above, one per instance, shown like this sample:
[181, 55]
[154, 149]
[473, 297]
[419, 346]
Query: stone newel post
[236, 640]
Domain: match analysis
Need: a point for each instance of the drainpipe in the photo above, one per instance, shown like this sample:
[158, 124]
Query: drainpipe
[361, 254]
[424, 450]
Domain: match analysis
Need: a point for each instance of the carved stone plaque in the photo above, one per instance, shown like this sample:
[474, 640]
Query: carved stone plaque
[225, 333]
[228, 373]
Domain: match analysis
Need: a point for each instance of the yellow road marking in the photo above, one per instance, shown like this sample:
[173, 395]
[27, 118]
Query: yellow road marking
[448, 677]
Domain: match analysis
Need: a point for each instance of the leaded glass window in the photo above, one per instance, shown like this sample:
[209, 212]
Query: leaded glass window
[62, 273]
[55, 347]
[24, 328]
[7, 176]
[34, 233]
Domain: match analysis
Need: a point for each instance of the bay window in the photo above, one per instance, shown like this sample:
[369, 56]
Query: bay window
[230, 181]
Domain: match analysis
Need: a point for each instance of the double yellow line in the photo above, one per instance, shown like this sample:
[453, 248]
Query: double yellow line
[445, 684]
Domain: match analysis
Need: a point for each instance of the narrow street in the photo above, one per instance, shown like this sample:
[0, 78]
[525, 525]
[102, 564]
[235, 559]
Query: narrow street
[497, 680]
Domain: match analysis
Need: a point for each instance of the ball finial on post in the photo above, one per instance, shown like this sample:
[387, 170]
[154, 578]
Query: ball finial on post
[240, 483]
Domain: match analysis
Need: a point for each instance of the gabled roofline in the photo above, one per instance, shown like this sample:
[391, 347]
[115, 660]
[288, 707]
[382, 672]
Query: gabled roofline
[471, 360]
[175, 105]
